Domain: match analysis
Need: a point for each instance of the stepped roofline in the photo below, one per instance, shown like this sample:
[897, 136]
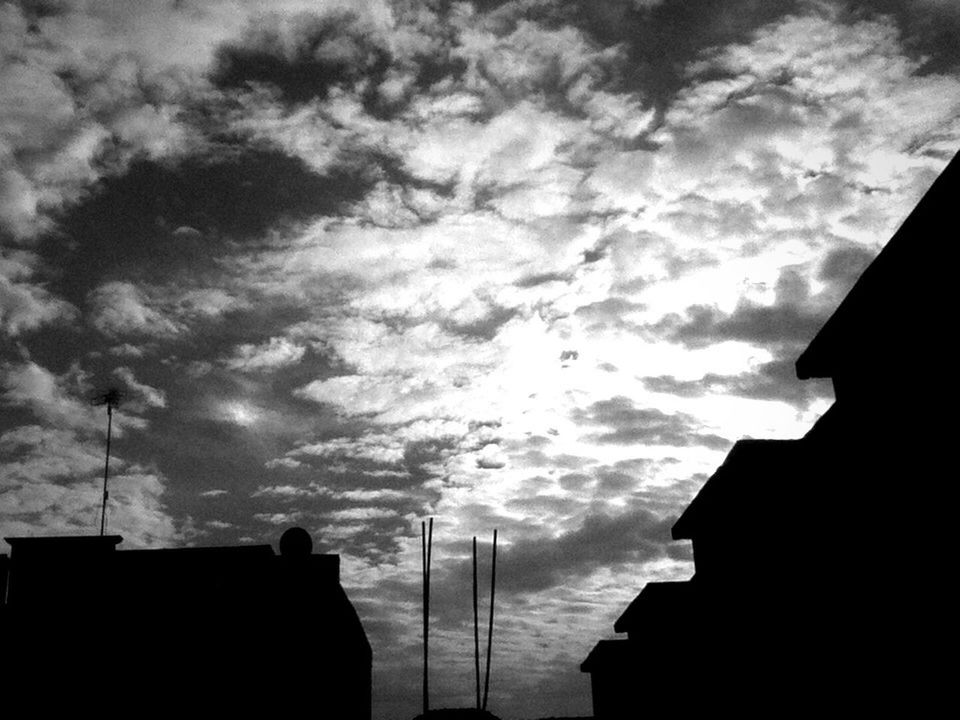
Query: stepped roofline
[608, 653]
[656, 599]
[748, 463]
[875, 322]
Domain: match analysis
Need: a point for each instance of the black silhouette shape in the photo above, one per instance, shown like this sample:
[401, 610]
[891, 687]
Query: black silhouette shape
[112, 399]
[226, 630]
[427, 557]
[296, 543]
[493, 595]
[456, 714]
[480, 711]
[820, 562]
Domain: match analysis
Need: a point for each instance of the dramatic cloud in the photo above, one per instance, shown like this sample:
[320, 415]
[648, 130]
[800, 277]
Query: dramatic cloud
[73, 113]
[120, 308]
[602, 541]
[793, 318]
[25, 305]
[32, 386]
[524, 265]
[304, 57]
[630, 425]
[51, 485]
[276, 353]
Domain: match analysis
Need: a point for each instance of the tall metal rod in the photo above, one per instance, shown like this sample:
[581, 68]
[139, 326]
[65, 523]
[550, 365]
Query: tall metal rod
[427, 552]
[476, 623]
[423, 573]
[493, 589]
[106, 470]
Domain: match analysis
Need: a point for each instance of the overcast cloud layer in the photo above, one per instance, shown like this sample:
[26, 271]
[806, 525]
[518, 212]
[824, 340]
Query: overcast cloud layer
[529, 265]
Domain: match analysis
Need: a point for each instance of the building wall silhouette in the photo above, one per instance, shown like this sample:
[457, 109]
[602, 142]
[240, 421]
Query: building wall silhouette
[220, 630]
[821, 563]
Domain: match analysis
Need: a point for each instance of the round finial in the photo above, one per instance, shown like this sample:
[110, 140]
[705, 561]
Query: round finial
[296, 542]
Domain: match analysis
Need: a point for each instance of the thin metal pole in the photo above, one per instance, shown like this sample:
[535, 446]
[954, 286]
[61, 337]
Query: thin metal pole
[429, 562]
[476, 622]
[493, 590]
[106, 471]
[423, 548]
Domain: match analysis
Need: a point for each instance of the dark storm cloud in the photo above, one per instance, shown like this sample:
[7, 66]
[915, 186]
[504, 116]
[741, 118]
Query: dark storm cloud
[355, 503]
[365, 473]
[421, 456]
[220, 430]
[533, 565]
[794, 318]
[842, 266]
[303, 58]
[773, 380]
[631, 425]
[362, 498]
[306, 57]
[368, 466]
[160, 218]
[759, 324]
[199, 442]
[240, 339]
[929, 28]
[140, 250]
[659, 39]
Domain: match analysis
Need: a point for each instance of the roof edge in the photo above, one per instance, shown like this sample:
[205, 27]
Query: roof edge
[819, 359]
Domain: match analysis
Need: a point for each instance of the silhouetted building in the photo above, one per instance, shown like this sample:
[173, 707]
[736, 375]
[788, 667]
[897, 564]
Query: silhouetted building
[822, 563]
[222, 629]
[615, 669]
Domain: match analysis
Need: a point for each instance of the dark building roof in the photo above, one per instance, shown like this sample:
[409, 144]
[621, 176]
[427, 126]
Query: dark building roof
[217, 629]
[741, 490]
[891, 316]
[609, 653]
[64, 544]
[81, 569]
[657, 601]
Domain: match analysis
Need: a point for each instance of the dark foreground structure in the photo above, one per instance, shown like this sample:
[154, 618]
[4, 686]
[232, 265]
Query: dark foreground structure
[137, 633]
[822, 563]
[457, 714]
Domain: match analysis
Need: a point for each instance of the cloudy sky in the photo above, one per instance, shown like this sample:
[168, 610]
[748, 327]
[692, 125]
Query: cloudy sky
[532, 265]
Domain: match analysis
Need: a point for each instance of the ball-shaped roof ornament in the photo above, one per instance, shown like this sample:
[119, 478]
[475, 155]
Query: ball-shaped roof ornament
[296, 543]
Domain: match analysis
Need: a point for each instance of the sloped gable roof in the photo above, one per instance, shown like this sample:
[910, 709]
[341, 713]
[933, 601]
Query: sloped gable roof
[889, 312]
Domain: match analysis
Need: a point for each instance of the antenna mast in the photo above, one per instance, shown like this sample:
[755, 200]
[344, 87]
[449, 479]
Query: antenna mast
[111, 398]
[427, 550]
[476, 623]
[493, 588]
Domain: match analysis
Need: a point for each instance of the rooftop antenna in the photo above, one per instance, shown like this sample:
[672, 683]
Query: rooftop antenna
[111, 398]
[493, 588]
[427, 551]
